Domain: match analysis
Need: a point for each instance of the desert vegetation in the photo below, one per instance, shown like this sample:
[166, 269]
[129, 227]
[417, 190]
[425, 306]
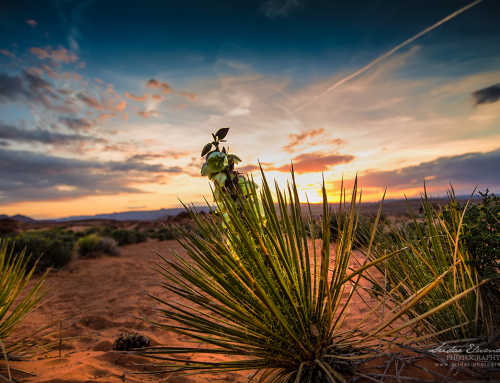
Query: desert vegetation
[276, 302]
[266, 288]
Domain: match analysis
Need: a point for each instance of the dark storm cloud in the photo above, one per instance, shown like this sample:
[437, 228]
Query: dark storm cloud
[28, 176]
[13, 133]
[486, 95]
[470, 168]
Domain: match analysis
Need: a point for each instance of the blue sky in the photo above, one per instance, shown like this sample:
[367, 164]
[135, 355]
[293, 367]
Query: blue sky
[105, 105]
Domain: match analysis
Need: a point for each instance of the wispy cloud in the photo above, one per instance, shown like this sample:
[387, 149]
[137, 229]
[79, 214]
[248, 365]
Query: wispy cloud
[144, 97]
[59, 54]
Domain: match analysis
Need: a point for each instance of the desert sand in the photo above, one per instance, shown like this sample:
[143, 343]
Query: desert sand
[111, 289]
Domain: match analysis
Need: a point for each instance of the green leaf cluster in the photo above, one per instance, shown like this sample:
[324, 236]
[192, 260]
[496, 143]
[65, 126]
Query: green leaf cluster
[219, 168]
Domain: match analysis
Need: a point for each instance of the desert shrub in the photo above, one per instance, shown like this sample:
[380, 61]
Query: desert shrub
[481, 237]
[93, 246]
[86, 246]
[163, 234]
[161, 237]
[129, 237]
[108, 246]
[53, 248]
[428, 250]
[100, 230]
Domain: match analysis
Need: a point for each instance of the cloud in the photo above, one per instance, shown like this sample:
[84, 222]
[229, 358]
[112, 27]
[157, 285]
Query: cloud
[60, 54]
[191, 96]
[31, 23]
[13, 133]
[90, 101]
[247, 169]
[310, 138]
[6, 53]
[121, 106]
[28, 87]
[148, 113]
[29, 176]
[466, 169]
[487, 95]
[313, 162]
[157, 97]
[153, 83]
[144, 97]
[76, 123]
[279, 8]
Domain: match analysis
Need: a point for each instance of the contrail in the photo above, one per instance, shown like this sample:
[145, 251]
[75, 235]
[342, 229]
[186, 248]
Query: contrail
[393, 50]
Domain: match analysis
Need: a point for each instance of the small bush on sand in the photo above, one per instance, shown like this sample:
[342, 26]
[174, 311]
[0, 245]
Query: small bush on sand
[129, 237]
[163, 234]
[92, 246]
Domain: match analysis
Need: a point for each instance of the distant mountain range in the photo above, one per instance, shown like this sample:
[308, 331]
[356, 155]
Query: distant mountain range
[20, 218]
[143, 215]
[390, 206]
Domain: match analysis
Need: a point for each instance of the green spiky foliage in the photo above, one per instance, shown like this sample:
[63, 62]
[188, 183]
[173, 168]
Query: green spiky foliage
[253, 288]
[436, 251]
[17, 301]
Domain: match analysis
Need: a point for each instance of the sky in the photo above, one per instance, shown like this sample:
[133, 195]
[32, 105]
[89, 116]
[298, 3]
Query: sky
[106, 105]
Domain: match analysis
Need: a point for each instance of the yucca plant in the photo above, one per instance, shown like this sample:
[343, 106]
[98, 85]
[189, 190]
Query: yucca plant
[253, 288]
[17, 301]
[428, 254]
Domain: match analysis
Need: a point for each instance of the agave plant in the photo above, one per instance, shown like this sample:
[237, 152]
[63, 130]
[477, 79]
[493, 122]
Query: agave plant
[253, 288]
[437, 250]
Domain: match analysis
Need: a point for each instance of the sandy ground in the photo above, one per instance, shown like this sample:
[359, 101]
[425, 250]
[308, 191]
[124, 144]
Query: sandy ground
[112, 287]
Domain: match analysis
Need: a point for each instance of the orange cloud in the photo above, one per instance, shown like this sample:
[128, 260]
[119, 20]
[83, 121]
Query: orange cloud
[153, 83]
[121, 106]
[247, 169]
[32, 23]
[191, 96]
[60, 54]
[157, 97]
[77, 77]
[144, 97]
[99, 80]
[298, 139]
[106, 117]
[314, 162]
